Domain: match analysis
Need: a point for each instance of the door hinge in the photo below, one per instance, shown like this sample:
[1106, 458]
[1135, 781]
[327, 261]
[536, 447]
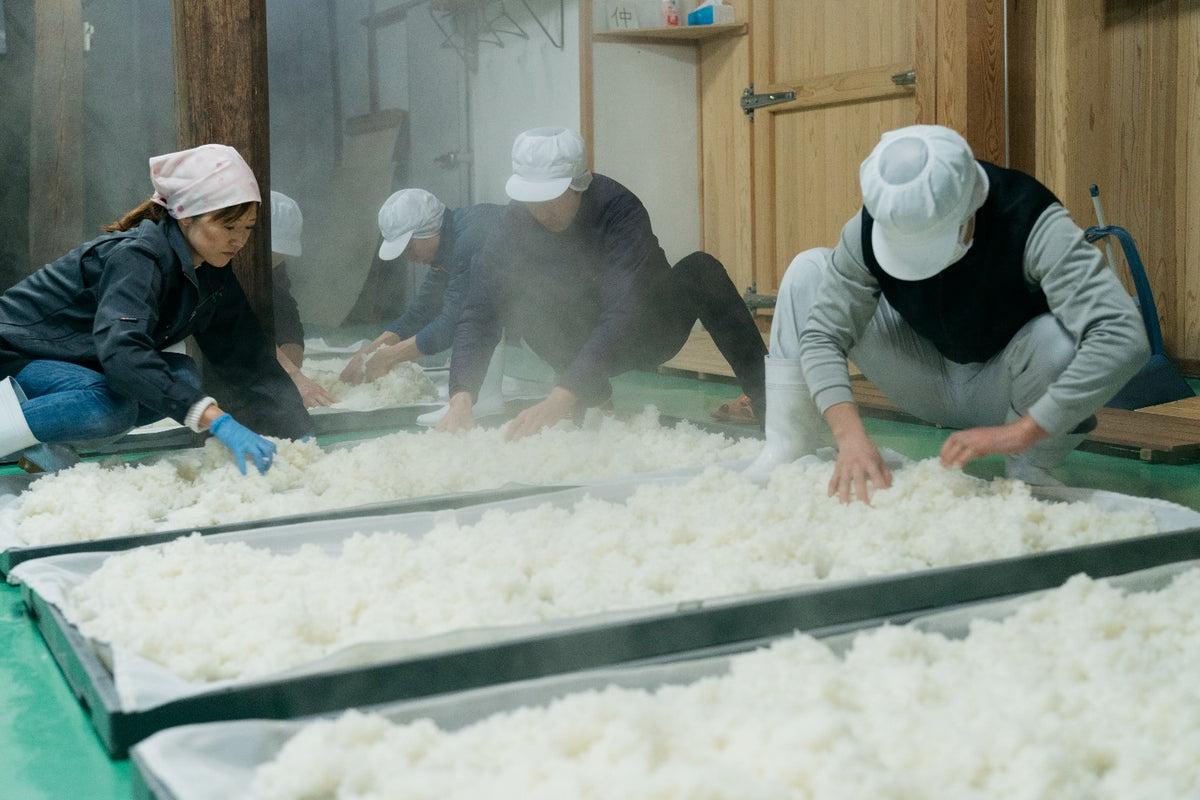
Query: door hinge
[905, 78]
[751, 101]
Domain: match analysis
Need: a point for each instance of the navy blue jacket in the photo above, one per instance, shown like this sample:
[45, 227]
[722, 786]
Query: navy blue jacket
[434, 312]
[576, 297]
[114, 303]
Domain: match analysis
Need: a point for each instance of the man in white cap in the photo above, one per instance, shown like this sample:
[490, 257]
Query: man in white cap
[574, 268]
[967, 294]
[419, 227]
[287, 226]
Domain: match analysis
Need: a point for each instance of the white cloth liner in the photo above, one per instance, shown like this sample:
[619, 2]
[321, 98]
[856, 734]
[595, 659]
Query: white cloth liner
[142, 684]
[217, 761]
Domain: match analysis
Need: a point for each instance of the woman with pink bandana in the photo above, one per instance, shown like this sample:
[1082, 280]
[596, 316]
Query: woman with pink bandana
[83, 341]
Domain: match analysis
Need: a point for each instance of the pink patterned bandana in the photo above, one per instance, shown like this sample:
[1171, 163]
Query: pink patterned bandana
[203, 179]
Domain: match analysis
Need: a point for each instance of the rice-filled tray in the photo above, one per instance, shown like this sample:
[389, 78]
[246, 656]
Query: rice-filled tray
[398, 398]
[114, 505]
[1086, 690]
[303, 618]
[166, 434]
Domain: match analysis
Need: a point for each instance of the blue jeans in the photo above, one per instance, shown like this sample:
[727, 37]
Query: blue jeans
[69, 403]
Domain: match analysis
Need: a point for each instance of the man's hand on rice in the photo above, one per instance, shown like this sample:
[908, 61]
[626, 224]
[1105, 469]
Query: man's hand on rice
[859, 466]
[459, 416]
[967, 445]
[557, 406]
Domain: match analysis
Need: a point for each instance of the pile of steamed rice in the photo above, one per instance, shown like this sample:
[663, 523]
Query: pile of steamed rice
[403, 385]
[202, 487]
[716, 535]
[1084, 693]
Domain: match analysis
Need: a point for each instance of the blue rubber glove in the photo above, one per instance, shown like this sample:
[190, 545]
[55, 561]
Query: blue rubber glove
[243, 442]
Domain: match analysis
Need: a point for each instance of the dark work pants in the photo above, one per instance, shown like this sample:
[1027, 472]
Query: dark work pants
[698, 288]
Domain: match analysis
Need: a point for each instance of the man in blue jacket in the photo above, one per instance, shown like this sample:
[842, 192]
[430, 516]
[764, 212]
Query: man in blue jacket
[419, 227]
[574, 268]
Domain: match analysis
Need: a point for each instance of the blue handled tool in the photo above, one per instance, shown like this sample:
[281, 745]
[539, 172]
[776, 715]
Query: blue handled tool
[1158, 381]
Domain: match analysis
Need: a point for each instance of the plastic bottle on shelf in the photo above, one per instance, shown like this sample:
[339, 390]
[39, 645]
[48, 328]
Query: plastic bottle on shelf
[670, 13]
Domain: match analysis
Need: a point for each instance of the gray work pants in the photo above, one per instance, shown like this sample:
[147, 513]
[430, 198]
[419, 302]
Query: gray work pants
[920, 380]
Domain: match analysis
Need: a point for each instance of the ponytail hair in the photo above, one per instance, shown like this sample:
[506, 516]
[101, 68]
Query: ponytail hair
[148, 210]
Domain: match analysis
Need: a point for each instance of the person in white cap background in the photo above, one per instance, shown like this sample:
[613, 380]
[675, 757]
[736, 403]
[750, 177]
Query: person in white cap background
[418, 227]
[287, 226]
[83, 339]
[967, 294]
[574, 268]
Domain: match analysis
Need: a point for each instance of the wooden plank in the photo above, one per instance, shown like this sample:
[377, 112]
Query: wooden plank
[700, 355]
[1188, 408]
[673, 35]
[1158, 435]
[853, 86]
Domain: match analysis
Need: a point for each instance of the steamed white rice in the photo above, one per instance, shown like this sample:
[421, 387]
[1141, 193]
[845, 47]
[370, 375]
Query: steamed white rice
[716, 535]
[202, 487]
[404, 385]
[1085, 693]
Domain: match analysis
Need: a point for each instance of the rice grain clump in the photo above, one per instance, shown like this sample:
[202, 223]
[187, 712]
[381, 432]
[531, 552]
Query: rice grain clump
[1084, 693]
[716, 535]
[201, 488]
[405, 384]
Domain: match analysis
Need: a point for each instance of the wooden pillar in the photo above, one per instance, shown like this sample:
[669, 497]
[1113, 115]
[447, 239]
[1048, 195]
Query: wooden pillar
[55, 141]
[970, 74]
[221, 97]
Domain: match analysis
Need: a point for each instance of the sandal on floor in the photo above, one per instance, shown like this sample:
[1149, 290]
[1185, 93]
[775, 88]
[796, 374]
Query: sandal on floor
[738, 410]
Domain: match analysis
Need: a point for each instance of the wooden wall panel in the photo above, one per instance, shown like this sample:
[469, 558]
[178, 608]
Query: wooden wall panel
[1113, 83]
[726, 201]
[1187, 191]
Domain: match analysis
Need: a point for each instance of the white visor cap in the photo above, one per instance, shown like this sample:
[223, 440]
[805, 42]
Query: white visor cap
[407, 214]
[545, 163]
[287, 223]
[920, 184]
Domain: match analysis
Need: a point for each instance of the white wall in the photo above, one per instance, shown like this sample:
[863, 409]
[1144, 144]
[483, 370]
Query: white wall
[644, 115]
[525, 84]
[646, 138]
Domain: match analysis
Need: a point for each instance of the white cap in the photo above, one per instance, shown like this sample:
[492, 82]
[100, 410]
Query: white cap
[408, 214]
[920, 184]
[546, 162]
[286, 224]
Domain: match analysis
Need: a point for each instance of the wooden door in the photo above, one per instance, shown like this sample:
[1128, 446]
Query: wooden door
[839, 60]
[788, 180]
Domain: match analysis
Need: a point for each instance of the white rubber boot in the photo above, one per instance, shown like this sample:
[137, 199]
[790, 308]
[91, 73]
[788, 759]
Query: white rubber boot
[490, 400]
[15, 435]
[792, 425]
[491, 394]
